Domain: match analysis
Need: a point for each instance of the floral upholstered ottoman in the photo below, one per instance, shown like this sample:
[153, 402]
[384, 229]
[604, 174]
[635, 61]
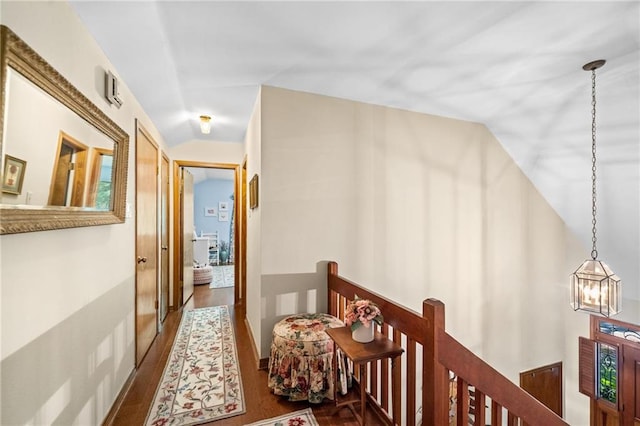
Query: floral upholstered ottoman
[300, 363]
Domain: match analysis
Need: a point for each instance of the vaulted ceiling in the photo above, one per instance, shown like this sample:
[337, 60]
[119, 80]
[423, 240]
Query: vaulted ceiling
[514, 66]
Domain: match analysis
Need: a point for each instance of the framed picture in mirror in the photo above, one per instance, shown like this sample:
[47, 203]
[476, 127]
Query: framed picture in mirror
[14, 169]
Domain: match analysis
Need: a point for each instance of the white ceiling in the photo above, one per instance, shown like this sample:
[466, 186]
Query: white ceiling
[514, 66]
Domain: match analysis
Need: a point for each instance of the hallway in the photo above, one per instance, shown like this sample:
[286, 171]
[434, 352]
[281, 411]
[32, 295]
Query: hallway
[261, 403]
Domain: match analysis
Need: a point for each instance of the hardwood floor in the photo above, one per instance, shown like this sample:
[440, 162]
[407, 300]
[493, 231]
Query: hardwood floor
[260, 402]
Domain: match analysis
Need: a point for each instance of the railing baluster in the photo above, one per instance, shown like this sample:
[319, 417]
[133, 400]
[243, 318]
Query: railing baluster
[462, 405]
[374, 380]
[384, 375]
[411, 381]
[396, 395]
[384, 382]
[496, 414]
[479, 414]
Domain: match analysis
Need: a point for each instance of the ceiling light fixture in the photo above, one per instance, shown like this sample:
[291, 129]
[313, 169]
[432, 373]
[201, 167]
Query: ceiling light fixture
[594, 286]
[205, 124]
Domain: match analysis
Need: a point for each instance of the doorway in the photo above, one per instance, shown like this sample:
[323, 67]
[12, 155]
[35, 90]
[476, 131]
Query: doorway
[215, 221]
[69, 173]
[609, 372]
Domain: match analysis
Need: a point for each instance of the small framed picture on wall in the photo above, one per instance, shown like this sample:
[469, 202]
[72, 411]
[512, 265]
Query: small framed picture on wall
[223, 206]
[253, 192]
[223, 217]
[210, 211]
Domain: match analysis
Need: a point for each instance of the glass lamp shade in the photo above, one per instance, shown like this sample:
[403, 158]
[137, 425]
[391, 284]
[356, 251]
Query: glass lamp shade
[205, 124]
[595, 288]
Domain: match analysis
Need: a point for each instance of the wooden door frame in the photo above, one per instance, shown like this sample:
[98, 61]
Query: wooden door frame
[242, 223]
[79, 161]
[177, 228]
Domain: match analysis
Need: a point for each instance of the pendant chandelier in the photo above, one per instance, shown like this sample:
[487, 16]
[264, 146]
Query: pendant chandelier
[594, 286]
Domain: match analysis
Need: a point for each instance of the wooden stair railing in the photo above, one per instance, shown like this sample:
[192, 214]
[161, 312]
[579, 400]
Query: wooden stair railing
[430, 356]
[490, 387]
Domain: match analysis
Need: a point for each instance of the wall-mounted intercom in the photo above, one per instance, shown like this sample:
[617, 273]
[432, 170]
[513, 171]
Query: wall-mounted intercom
[111, 87]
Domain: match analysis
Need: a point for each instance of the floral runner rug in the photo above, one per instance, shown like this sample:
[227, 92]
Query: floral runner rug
[223, 276]
[298, 418]
[201, 381]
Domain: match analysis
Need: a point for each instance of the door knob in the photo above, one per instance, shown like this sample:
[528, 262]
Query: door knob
[165, 248]
[142, 259]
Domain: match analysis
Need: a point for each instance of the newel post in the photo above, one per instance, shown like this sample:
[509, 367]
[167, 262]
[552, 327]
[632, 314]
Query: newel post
[435, 380]
[332, 305]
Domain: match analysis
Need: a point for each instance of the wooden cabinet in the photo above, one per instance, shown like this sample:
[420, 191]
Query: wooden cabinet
[545, 384]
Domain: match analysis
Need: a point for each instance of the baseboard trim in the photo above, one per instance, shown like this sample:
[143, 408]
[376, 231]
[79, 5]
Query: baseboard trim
[108, 421]
[254, 348]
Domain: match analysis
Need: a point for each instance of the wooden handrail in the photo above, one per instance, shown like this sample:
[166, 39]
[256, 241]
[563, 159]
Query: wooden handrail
[397, 316]
[457, 358]
[477, 382]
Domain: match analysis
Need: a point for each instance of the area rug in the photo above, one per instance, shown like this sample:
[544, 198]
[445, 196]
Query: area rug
[298, 418]
[223, 276]
[201, 381]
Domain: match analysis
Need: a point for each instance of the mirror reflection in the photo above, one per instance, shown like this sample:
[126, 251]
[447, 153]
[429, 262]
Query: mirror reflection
[64, 161]
[69, 167]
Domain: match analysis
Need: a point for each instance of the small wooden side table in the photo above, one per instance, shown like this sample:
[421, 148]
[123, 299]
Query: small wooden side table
[361, 354]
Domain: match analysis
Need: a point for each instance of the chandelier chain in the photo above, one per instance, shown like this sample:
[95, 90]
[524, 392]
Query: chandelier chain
[594, 251]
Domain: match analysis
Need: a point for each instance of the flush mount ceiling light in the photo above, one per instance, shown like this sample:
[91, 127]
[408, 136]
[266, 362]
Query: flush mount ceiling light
[205, 124]
[594, 286]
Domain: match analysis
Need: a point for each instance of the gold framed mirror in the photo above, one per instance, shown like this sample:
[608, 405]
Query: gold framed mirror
[64, 161]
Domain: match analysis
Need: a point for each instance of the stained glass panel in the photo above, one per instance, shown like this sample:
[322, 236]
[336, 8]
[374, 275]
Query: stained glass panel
[620, 331]
[608, 372]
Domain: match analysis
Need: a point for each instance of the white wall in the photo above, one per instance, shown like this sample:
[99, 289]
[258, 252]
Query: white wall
[67, 296]
[415, 206]
[208, 151]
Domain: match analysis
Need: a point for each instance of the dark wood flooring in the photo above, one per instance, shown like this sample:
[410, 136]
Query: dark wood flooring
[260, 402]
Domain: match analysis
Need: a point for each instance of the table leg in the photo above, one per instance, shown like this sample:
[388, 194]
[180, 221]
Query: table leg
[363, 392]
[395, 388]
[336, 380]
